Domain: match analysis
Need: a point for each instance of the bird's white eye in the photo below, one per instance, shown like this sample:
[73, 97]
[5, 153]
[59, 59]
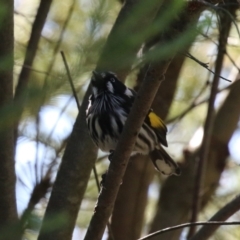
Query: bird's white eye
[112, 79]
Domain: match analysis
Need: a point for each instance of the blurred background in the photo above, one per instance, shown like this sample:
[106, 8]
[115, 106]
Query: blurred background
[147, 200]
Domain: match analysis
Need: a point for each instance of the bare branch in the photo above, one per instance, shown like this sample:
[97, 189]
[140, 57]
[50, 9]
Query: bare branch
[212, 223]
[205, 65]
[70, 80]
[193, 105]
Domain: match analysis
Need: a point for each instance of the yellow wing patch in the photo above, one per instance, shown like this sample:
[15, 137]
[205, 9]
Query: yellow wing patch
[156, 122]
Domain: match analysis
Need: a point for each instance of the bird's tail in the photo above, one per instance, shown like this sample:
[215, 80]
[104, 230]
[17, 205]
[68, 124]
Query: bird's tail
[164, 163]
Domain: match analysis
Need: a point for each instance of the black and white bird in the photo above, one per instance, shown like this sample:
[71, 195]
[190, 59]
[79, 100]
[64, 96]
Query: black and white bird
[107, 112]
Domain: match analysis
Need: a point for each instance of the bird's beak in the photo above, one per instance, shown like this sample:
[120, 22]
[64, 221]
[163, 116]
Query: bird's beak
[96, 75]
[97, 80]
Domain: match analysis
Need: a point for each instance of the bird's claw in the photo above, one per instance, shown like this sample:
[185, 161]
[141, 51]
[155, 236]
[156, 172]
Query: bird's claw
[110, 157]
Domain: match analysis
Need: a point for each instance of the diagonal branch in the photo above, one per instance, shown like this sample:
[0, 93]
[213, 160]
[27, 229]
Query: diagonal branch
[124, 148]
[211, 224]
[205, 65]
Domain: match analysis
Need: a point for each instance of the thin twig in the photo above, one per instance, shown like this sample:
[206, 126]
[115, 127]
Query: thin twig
[229, 56]
[78, 105]
[215, 223]
[37, 145]
[192, 106]
[70, 80]
[189, 55]
[205, 65]
[224, 10]
[232, 61]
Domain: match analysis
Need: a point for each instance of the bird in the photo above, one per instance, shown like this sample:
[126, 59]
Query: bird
[109, 106]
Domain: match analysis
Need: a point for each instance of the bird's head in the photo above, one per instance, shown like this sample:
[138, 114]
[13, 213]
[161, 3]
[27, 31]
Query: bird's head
[106, 83]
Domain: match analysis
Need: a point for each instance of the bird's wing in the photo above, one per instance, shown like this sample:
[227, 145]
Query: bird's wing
[157, 124]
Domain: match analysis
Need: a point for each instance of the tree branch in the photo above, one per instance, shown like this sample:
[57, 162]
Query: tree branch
[211, 223]
[122, 153]
[205, 65]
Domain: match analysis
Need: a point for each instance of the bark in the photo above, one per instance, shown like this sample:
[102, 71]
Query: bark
[128, 214]
[8, 210]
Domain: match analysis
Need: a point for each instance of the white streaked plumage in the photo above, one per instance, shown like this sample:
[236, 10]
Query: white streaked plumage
[128, 92]
[110, 87]
[107, 113]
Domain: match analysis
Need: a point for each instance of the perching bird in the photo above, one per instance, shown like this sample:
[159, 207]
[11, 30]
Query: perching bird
[108, 109]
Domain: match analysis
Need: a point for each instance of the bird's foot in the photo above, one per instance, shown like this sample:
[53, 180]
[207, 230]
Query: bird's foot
[102, 183]
[110, 157]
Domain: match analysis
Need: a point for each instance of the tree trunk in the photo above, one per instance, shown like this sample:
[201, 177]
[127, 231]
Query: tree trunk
[8, 211]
